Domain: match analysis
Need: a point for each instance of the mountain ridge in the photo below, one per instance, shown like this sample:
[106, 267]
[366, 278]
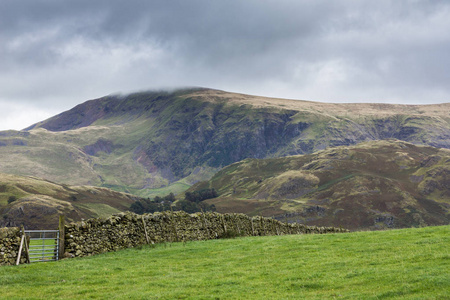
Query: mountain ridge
[94, 111]
[177, 138]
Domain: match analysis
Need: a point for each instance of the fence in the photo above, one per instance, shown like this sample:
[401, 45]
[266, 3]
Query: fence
[44, 245]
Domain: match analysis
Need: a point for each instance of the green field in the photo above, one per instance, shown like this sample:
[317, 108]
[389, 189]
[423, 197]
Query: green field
[397, 264]
[43, 242]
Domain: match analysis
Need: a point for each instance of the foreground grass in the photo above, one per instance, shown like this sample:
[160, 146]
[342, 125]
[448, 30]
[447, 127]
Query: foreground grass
[403, 264]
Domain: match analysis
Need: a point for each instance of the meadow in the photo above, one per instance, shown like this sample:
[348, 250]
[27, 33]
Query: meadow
[395, 264]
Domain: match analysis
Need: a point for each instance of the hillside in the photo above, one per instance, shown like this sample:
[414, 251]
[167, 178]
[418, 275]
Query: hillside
[169, 140]
[37, 203]
[373, 185]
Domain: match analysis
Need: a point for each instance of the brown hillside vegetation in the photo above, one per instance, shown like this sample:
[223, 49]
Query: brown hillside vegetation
[332, 109]
[373, 185]
[36, 203]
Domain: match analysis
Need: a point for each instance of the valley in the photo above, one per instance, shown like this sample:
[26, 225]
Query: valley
[153, 143]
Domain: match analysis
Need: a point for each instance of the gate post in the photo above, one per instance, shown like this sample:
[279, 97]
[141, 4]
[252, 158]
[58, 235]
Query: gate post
[61, 249]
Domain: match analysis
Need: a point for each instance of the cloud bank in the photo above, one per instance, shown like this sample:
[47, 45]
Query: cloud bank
[55, 54]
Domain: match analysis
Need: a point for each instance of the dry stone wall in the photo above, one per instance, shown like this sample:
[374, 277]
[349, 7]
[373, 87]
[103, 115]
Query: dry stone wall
[127, 230]
[9, 246]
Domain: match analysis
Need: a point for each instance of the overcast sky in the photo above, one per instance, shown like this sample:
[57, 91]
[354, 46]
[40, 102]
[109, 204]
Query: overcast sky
[55, 54]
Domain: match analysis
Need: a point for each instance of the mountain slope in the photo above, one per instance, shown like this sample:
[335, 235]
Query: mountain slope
[371, 185]
[142, 141]
[37, 203]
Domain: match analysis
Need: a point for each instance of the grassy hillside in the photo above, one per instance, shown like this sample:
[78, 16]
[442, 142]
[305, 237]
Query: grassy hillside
[373, 185]
[397, 264]
[168, 141]
[37, 203]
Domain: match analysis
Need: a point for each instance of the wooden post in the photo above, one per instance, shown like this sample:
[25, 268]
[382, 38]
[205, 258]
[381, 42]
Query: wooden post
[162, 232]
[26, 241]
[174, 227]
[204, 225]
[27, 251]
[20, 250]
[286, 224]
[253, 229]
[62, 233]
[237, 226]
[223, 223]
[276, 227]
[145, 230]
[263, 226]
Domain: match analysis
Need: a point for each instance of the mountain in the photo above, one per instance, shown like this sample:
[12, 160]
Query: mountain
[37, 203]
[372, 185]
[158, 142]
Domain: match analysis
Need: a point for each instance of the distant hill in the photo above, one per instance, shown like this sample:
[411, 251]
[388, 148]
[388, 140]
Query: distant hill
[169, 140]
[37, 203]
[373, 185]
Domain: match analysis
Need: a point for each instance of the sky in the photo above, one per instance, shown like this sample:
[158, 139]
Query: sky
[55, 54]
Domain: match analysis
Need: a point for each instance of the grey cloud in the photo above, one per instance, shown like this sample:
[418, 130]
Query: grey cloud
[318, 50]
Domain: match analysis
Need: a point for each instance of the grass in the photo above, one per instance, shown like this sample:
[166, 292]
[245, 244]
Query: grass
[397, 264]
[176, 188]
[331, 182]
[41, 242]
[102, 210]
[41, 249]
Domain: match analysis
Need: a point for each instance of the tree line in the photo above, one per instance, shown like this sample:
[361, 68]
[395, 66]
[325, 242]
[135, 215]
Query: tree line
[192, 202]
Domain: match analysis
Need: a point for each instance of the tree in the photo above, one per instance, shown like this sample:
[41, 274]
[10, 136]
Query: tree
[187, 206]
[137, 207]
[200, 195]
[158, 203]
[11, 199]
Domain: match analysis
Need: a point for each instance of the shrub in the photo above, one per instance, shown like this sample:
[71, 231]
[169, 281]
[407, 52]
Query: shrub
[192, 207]
[11, 199]
[198, 196]
[158, 203]
[165, 203]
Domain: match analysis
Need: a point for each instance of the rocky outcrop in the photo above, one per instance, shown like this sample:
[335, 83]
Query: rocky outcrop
[100, 145]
